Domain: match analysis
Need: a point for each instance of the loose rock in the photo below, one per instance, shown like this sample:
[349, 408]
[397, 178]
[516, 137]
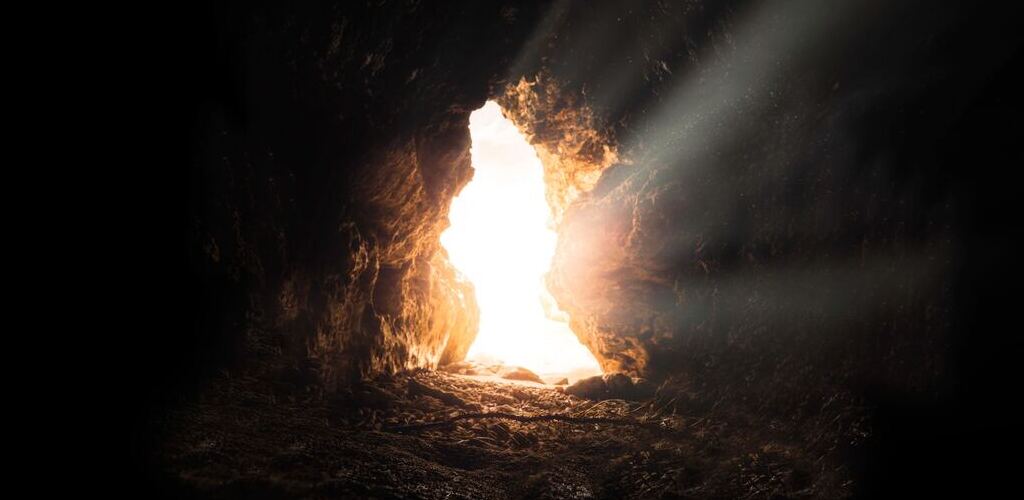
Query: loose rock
[520, 373]
[589, 388]
[619, 385]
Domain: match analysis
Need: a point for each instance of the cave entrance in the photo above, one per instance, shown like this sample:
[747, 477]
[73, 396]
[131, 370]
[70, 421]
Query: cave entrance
[502, 239]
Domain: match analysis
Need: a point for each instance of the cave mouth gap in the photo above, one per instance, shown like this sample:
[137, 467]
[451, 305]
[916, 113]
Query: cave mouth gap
[502, 239]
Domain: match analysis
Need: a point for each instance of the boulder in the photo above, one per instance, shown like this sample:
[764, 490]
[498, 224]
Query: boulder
[589, 388]
[619, 385]
[520, 373]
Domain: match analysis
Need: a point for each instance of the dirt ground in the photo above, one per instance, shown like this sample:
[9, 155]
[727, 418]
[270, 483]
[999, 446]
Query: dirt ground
[421, 435]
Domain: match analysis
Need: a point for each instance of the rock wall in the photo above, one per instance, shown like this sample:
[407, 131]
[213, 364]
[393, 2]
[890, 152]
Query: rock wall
[755, 202]
[574, 146]
[329, 141]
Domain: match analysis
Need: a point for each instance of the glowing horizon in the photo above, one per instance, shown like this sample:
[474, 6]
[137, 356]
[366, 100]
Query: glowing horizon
[500, 238]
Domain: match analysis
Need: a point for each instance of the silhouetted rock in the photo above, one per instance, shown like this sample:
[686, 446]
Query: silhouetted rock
[619, 385]
[611, 386]
[589, 388]
[461, 368]
[520, 373]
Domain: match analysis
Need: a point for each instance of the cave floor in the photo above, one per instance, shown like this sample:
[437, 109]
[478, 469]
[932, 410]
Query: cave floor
[245, 439]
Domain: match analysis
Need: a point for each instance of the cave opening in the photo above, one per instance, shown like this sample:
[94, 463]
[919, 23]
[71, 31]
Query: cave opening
[502, 238]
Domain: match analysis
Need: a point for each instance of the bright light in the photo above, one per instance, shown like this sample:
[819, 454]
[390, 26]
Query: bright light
[500, 238]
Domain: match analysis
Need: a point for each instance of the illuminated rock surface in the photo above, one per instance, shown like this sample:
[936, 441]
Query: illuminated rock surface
[319, 198]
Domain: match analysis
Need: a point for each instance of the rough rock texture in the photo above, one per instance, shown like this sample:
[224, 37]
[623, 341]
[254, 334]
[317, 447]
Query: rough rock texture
[520, 373]
[767, 216]
[574, 146]
[612, 386]
[326, 157]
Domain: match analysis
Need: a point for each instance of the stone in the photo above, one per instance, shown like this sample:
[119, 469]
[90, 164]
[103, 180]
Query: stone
[589, 388]
[520, 373]
[619, 385]
[615, 385]
[460, 367]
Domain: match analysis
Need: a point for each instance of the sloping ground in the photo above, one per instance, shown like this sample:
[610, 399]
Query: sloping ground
[244, 439]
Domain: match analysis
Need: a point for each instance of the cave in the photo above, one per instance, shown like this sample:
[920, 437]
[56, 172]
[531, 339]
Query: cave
[561, 249]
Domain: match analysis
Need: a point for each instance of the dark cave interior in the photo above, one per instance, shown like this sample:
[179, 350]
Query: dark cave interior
[781, 233]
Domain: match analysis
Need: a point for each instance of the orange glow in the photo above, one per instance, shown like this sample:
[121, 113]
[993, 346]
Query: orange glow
[500, 238]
